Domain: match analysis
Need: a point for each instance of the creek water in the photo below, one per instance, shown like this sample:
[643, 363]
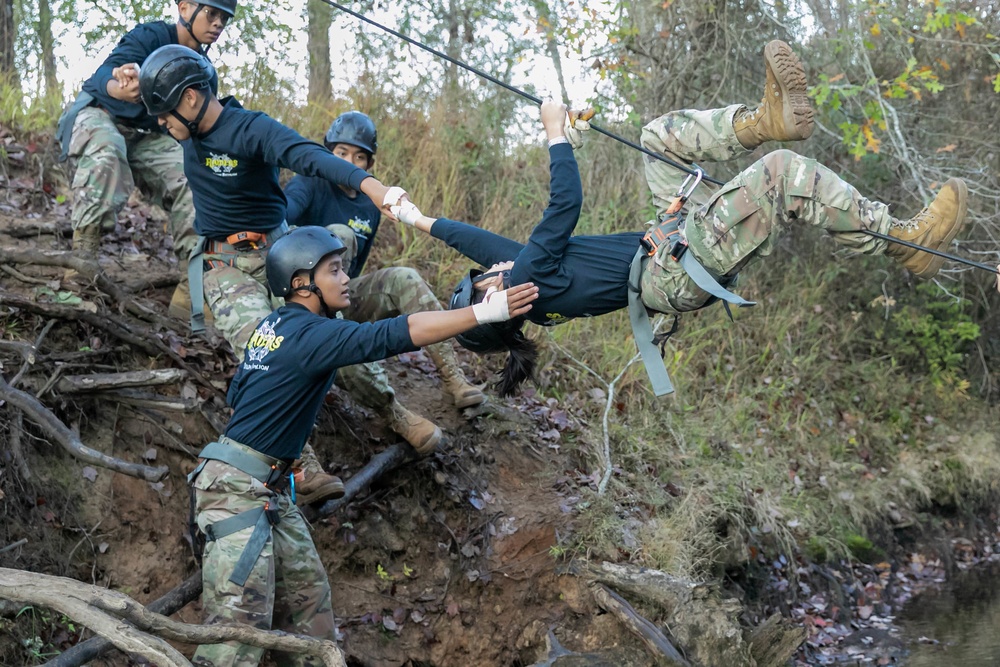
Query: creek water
[962, 617]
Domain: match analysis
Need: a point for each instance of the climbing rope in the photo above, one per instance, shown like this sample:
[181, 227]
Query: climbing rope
[631, 144]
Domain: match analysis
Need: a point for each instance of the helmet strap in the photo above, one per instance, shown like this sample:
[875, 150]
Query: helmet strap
[192, 125]
[190, 28]
[314, 288]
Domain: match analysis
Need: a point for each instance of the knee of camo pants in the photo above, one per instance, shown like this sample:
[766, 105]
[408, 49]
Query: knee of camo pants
[367, 383]
[102, 180]
[350, 241]
[238, 301]
[666, 287]
[389, 292]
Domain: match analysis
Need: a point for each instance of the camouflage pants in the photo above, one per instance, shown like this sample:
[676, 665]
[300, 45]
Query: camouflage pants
[735, 225]
[287, 589]
[238, 297]
[384, 293]
[110, 160]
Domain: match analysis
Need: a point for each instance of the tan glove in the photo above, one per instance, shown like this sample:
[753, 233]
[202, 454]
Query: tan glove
[577, 122]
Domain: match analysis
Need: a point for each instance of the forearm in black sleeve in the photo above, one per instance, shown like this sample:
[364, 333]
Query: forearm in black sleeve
[479, 245]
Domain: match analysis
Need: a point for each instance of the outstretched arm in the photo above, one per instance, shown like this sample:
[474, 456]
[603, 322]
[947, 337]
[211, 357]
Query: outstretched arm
[434, 326]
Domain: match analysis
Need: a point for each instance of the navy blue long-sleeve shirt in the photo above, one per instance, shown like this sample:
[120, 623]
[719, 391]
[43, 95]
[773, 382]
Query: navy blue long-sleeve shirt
[315, 201]
[134, 47]
[577, 276]
[232, 170]
[289, 364]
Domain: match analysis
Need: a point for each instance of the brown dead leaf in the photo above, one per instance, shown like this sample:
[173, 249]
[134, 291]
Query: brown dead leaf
[947, 149]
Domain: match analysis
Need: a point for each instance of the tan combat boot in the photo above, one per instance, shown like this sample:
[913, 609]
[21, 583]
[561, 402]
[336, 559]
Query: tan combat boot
[86, 244]
[464, 394]
[422, 434]
[935, 227]
[784, 113]
[312, 483]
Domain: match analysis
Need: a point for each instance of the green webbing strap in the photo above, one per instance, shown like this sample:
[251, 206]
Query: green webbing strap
[642, 331]
[64, 129]
[248, 463]
[255, 545]
[703, 279]
[196, 271]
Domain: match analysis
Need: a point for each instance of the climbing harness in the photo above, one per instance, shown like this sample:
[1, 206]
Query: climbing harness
[667, 233]
[271, 472]
[631, 144]
[222, 253]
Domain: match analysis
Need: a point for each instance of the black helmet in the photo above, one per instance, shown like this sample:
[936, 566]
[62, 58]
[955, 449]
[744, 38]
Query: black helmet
[485, 337]
[354, 128]
[227, 6]
[299, 250]
[170, 70]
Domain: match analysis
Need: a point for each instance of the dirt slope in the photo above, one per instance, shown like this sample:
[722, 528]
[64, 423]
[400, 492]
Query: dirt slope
[448, 562]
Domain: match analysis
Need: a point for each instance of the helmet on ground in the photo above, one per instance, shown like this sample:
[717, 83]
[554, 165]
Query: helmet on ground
[485, 337]
[170, 70]
[354, 128]
[299, 250]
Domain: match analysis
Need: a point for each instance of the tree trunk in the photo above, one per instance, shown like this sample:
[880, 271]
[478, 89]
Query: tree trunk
[320, 18]
[47, 44]
[548, 22]
[8, 36]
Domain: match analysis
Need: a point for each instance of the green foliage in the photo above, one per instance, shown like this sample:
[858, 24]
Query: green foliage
[932, 336]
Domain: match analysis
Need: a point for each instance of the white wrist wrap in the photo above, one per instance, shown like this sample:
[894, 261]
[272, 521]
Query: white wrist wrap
[407, 212]
[493, 308]
[393, 195]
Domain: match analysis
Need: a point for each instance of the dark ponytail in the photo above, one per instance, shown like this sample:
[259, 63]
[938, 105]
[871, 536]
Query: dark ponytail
[520, 364]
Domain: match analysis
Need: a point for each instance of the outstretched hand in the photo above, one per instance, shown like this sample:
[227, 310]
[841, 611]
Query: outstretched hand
[500, 306]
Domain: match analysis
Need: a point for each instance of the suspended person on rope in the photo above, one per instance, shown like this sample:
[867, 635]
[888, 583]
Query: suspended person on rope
[115, 145]
[387, 292]
[686, 261]
[231, 160]
[260, 565]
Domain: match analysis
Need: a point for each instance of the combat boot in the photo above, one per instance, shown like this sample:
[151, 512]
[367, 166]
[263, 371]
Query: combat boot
[86, 244]
[464, 394]
[422, 434]
[935, 227]
[784, 113]
[312, 483]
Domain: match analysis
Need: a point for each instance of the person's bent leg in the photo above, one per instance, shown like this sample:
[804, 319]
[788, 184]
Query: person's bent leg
[222, 491]
[238, 301]
[302, 597]
[157, 162]
[401, 291]
[369, 384]
[744, 219]
[101, 183]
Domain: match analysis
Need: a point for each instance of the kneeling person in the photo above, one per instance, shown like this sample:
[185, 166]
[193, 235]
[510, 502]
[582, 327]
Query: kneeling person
[260, 564]
[387, 292]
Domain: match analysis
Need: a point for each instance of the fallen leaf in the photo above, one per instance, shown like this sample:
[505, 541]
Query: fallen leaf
[452, 609]
[89, 474]
[150, 454]
[947, 149]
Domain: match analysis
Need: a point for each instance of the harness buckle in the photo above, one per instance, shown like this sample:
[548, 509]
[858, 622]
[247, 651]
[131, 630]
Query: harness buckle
[678, 250]
[246, 240]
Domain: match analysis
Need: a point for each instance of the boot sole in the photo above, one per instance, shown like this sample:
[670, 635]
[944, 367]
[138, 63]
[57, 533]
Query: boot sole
[934, 263]
[469, 401]
[797, 111]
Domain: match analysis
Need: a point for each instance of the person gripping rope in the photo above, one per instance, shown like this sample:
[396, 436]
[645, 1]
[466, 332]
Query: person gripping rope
[114, 145]
[260, 565]
[687, 260]
[387, 292]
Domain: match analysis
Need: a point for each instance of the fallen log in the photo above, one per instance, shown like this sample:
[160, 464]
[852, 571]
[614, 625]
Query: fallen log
[93, 648]
[76, 384]
[134, 336]
[701, 621]
[29, 230]
[103, 611]
[654, 639]
[62, 434]
[382, 463]
[148, 399]
[772, 642]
